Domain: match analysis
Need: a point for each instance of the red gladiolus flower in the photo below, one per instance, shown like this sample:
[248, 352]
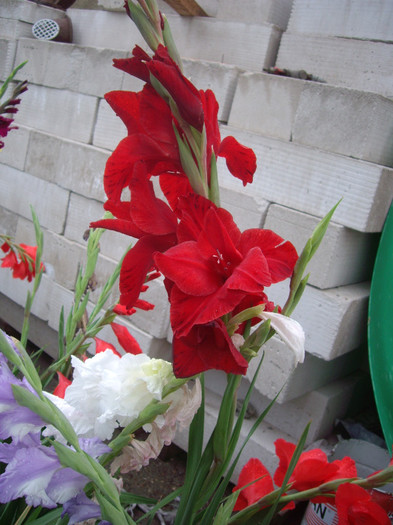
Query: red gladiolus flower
[252, 471]
[102, 345]
[127, 341]
[213, 274]
[312, 469]
[206, 347]
[64, 383]
[21, 260]
[355, 506]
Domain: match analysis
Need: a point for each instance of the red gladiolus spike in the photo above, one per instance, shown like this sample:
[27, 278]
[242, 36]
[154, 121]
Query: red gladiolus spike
[101, 346]
[252, 471]
[120, 309]
[64, 383]
[241, 161]
[206, 347]
[144, 305]
[127, 341]
[356, 507]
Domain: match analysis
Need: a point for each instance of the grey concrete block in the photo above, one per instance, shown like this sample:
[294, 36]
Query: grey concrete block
[70, 67]
[358, 64]
[109, 130]
[220, 78]
[334, 320]
[63, 113]
[15, 148]
[256, 11]
[48, 200]
[280, 371]
[345, 121]
[28, 11]
[71, 165]
[266, 104]
[248, 212]
[7, 52]
[313, 181]
[8, 222]
[360, 19]
[81, 212]
[14, 29]
[345, 256]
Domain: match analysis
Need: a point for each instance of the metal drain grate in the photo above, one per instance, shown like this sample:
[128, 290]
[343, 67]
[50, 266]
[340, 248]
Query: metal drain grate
[46, 29]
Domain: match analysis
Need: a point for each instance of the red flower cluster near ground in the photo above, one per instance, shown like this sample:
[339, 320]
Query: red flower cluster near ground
[354, 504]
[210, 267]
[21, 259]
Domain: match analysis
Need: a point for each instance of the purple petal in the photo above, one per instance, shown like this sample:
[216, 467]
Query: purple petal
[94, 447]
[80, 508]
[66, 484]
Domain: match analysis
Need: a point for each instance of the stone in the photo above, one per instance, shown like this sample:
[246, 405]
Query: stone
[345, 256]
[15, 148]
[74, 166]
[70, 67]
[7, 52]
[59, 112]
[313, 181]
[345, 121]
[358, 19]
[48, 200]
[256, 11]
[351, 63]
[109, 130]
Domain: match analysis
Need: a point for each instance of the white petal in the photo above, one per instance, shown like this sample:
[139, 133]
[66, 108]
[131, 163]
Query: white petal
[290, 331]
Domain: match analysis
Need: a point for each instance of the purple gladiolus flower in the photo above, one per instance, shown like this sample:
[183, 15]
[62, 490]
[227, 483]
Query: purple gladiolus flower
[81, 508]
[15, 420]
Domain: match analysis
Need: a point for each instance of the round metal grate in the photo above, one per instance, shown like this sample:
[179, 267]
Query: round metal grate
[46, 29]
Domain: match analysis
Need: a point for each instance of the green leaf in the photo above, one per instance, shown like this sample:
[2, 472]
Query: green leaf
[48, 519]
[225, 510]
[111, 513]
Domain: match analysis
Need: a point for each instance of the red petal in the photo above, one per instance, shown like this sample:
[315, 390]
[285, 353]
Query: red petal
[281, 256]
[127, 341]
[241, 161]
[101, 346]
[355, 506]
[121, 226]
[206, 347]
[251, 471]
[64, 382]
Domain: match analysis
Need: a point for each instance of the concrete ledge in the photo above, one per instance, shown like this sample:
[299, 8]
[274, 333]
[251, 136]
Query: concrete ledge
[19, 190]
[344, 257]
[256, 11]
[313, 181]
[350, 63]
[7, 53]
[348, 18]
[63, 113]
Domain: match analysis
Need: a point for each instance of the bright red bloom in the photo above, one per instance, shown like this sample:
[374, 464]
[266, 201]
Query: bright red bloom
[102, 345]
[126, 340]
[21, 260]
[213, 274]
[206, 347]
[312, 469]
[355, 506]
[252, 470]
[64, 383]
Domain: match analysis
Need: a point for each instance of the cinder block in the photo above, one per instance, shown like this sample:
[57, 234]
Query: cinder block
[321, 407]
[48, 200]
[64, 113]
[313, 181]
[256, 12]
[249, 46]
[280, 374]
[71, 165]
[334, 320]
[15, 148]
[209, 6]
[220, 78]
[351, 63]
[98, 28]
[14, 29]
[7, 51]
[8, 222]
[109, 130]
[247, 211]
[349, 18]
[265, 104]
[345, 121]
[344, 257]
[70, 67]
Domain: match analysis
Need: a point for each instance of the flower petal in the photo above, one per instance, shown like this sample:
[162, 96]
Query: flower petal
[290, 331]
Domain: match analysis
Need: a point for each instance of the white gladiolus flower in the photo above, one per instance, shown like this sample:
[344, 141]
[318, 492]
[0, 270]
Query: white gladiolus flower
[290, 331]
[109, 391]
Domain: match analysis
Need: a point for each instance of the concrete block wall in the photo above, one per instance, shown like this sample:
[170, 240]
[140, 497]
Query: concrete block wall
[316, 143]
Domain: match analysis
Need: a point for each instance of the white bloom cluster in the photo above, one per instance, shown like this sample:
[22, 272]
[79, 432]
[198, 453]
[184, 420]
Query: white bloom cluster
[109, 391]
